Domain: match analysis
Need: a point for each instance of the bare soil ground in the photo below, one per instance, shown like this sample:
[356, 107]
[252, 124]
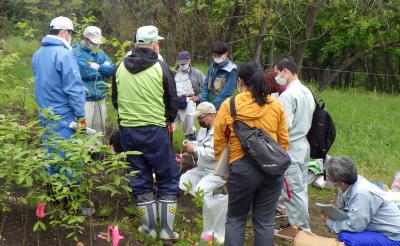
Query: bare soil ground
[18, 223]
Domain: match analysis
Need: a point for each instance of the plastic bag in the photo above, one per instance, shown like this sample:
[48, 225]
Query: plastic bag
[396, 182]
[214, 216]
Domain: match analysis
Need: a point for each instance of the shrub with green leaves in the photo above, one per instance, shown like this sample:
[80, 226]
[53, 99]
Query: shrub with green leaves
[25, 162]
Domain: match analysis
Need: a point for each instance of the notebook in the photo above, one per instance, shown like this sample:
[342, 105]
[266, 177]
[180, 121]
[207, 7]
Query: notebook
[222, 168]
[333, 212]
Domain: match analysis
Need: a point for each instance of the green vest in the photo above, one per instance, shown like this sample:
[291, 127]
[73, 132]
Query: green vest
[140, 97]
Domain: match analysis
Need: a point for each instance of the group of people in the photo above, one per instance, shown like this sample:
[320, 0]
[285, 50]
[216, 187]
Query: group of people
[151, 101]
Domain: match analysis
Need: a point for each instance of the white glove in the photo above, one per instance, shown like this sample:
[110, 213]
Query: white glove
[95, 66]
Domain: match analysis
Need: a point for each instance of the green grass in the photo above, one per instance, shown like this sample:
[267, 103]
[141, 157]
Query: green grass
[368, 130]
[367, 123]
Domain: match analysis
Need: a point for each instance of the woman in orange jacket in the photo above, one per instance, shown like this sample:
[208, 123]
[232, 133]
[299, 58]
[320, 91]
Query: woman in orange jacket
[248, 186]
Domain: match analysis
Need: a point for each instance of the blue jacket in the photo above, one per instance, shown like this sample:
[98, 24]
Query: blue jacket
[93, 80]
[219, 83]
[58, 84]
[368, 209]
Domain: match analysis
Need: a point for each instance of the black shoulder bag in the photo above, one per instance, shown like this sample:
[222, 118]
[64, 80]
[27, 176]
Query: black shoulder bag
[266, 154]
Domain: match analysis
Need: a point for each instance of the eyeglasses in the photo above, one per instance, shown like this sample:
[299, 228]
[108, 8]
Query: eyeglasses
[202, 117]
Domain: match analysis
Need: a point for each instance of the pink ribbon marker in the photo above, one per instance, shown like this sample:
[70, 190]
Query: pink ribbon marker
[112, 234]
[40, 210]
[116, 236]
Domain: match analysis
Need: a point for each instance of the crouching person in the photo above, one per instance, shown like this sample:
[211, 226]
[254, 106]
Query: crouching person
[372, 220]
[202, 177]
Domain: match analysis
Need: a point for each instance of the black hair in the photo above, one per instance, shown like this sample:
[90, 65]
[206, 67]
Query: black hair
[54, 31]
[219, 48]
[288, 63]
[254, 78]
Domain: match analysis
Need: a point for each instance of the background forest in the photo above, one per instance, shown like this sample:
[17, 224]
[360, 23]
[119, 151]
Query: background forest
[335, 42]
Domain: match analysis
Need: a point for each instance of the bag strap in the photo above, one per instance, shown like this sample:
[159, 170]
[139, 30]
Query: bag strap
[319, 103]
[232, 107]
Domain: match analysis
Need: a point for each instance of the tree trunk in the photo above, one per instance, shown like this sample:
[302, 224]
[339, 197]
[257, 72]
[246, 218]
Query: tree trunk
[271, 52]
[353, 59]
[391, 79]
[261, 33]
[311, 15]
[171, 36]
[233, 22]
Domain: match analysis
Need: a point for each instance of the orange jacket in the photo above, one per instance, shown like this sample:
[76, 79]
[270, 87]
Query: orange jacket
[271, 118]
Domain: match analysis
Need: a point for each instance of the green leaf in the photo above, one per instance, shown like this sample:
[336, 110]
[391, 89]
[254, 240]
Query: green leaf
[36, 226]
[39, 224]
[117, 180]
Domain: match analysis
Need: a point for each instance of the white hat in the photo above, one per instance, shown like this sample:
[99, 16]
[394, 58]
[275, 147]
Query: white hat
[62, 23]
[147, 35]
[93, 33]
[204, 108]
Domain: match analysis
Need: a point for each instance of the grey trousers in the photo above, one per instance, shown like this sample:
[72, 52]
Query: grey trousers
[96, 114]
[250, 188]
[296, 176]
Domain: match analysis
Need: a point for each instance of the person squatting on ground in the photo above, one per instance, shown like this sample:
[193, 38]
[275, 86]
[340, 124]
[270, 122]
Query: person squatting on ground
[372, 219]
[202, 177]
[58, 84]
[299, 105]
[221, 76]
[188, 81]
[248, 187]
[94, 66]
[144, 93]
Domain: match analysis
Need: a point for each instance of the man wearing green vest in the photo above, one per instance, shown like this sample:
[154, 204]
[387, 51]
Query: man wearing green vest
[144, 93]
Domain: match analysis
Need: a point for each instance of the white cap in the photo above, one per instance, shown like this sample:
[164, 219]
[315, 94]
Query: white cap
[147, 35]
[204, 108]
[62, 23]
[93, 33]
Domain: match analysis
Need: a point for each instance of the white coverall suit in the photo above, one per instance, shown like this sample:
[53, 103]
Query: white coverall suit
[299, 105]
[202, 177]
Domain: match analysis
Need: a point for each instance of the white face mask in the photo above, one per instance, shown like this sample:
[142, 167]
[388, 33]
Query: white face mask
[68, 39]
[93, 46]
[183, 67]
[280, 80]
[220, 59]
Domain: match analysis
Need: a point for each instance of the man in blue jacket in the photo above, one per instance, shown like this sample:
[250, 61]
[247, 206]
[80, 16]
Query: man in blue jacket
[58, 84]
[94, 66]
[221, 76]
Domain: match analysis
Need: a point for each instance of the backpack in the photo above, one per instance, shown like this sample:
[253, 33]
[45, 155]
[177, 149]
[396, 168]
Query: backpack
[266, 154]
[322, 133]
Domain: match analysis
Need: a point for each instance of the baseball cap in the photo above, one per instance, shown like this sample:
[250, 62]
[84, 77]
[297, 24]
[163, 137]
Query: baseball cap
[183, 57]
[61, 23]
[93, 33]
[204, 108]
[147, 35]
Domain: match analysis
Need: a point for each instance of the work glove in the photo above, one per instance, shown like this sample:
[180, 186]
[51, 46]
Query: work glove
[94, 66]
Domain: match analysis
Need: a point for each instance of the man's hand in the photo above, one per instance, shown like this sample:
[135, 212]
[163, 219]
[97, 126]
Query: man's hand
[194, 98]
[94, 66]
[189, 147]
[86, 90]
[324, 216]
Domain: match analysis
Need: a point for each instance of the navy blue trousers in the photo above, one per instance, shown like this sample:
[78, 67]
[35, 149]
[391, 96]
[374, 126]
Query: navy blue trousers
[366, 238]
[154, 144]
